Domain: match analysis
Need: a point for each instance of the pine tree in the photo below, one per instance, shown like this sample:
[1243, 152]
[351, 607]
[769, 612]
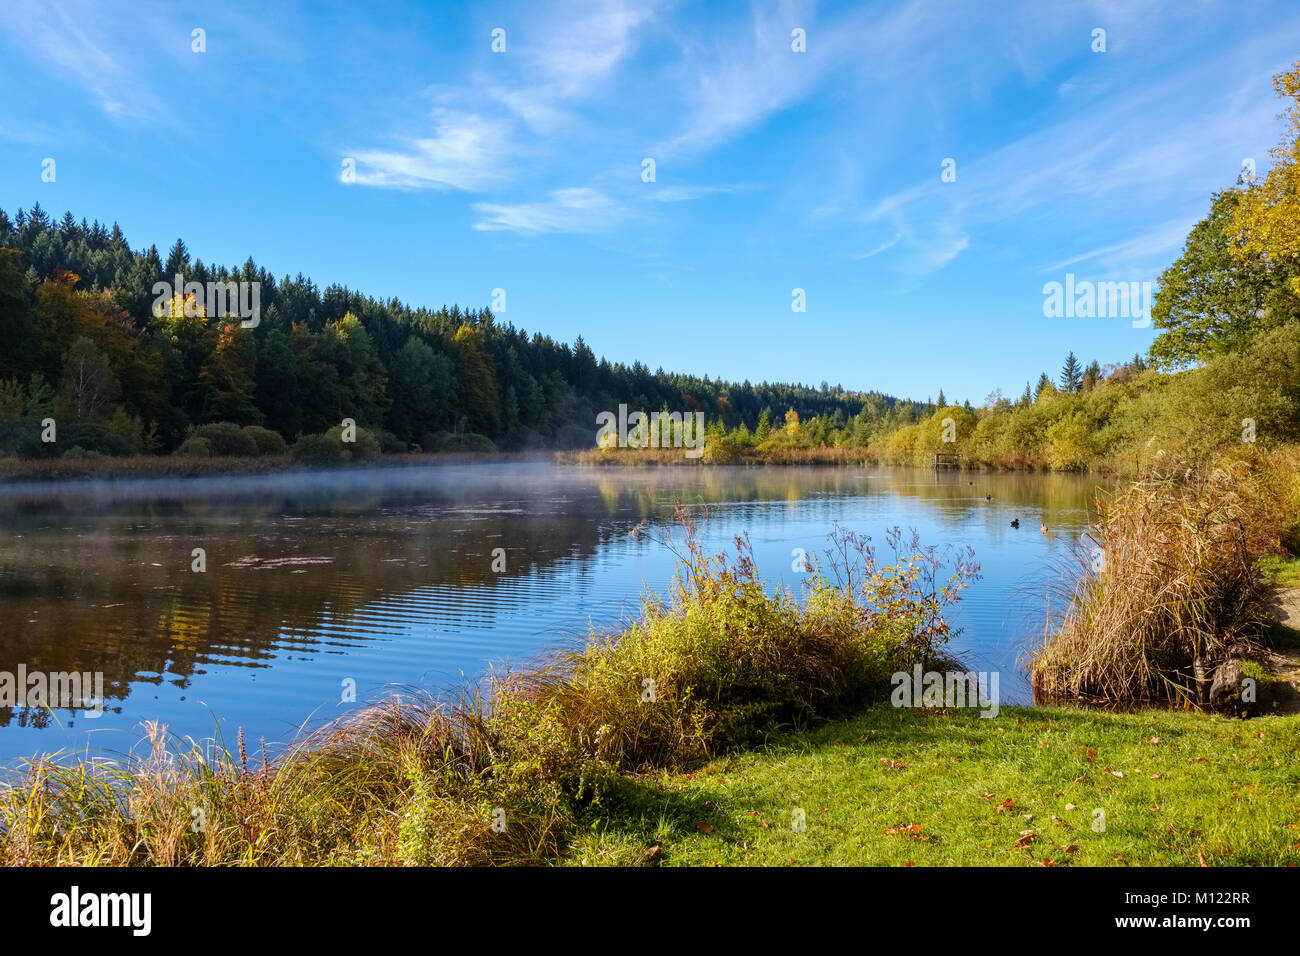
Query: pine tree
[943, 403]
[1070, 376]
[1043, 383]
[178, 262]
[1091, 376]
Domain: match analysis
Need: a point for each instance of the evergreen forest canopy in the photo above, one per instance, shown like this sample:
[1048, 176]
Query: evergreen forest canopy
[83, 340]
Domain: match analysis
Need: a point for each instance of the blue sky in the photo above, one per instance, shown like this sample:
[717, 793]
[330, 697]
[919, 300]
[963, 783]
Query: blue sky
[774, 170]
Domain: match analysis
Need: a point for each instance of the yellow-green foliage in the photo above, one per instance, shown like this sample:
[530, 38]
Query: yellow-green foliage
[1124, 423]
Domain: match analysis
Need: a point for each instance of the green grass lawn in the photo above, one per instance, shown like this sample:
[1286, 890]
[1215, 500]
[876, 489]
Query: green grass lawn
[1281, 571]
[906, 787]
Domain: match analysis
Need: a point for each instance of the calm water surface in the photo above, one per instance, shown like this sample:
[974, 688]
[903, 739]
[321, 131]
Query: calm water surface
[385, 577]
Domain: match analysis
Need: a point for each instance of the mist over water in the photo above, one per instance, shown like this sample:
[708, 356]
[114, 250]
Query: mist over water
[384, 576]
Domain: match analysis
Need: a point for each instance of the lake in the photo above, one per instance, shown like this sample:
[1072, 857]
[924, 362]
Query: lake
[384, 577]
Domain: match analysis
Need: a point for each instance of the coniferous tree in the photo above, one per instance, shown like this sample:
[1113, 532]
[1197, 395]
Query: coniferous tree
[1070, 374]
[178, 263]
[1091, 376]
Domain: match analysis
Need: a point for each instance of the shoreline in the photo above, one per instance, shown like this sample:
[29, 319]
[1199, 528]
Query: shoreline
[38, 472]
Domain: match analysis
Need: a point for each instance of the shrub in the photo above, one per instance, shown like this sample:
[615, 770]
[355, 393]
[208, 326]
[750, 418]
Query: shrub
[317, 450]
[390, 444]
[268, 442]
[722, 449]
[88, 436]
[16, 433]
[195, 447]
[330, 448]
[1070, 444]
[729, 659]
[133, 431]
[451, 442]
[227, 440]
[77, 453]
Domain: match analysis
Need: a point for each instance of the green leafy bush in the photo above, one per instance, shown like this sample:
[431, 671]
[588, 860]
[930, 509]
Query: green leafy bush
[195, 447]
[227, 440]
[268, 442]
[451, 442]
[330, 448]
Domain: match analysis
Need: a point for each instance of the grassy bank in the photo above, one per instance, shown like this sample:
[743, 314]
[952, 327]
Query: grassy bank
[908, 787]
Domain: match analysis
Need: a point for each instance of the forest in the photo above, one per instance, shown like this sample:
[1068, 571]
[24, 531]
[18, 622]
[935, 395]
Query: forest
[84, 343]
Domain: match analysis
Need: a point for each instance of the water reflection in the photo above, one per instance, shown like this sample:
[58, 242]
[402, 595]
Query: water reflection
[386, 576]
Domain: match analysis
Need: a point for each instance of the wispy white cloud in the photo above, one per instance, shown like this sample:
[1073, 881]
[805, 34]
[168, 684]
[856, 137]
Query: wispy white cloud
[467, 151]
[877, 250]
[70, 35]
[550, 135]
[489, 129]
[576, 210]
[1153, 245]
[1108, 160]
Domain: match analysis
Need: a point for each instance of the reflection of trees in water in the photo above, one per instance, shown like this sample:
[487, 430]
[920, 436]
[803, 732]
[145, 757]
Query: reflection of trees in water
[103, 586]
[94, 601]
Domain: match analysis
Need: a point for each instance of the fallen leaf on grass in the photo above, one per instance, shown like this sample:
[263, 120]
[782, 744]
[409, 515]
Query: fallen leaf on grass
[1091, 755]
[904, 830]
[1026, 837]
[1071, 806]
[1072, 848]
[703, 827]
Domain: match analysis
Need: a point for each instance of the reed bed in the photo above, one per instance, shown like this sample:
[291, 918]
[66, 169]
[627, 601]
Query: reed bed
[1166, 586]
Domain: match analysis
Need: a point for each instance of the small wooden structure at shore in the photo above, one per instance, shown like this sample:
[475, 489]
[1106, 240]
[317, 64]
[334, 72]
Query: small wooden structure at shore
[946, 460]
